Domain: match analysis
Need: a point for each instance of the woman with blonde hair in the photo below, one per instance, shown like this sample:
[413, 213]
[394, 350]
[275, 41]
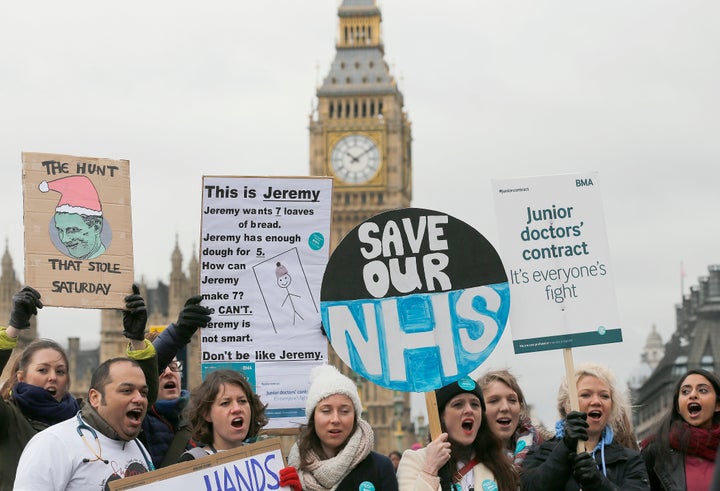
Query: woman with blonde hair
[610, 460]
[620, 418]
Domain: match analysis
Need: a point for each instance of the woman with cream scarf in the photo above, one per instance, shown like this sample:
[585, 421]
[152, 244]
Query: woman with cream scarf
[334, 448]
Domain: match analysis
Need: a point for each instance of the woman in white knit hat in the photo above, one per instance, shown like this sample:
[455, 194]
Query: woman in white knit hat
[467, 456]
[334, 448]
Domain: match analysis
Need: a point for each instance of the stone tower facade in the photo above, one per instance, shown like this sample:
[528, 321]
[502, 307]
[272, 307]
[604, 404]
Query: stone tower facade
[361, 135]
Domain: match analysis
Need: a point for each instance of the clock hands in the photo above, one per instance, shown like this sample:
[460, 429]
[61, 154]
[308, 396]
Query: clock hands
[366, 151]
[357, 158]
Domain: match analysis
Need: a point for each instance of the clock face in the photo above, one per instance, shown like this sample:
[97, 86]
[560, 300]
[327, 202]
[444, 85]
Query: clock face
[355, 159]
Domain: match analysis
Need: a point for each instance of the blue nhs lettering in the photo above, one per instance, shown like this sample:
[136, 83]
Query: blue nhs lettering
[418, 342]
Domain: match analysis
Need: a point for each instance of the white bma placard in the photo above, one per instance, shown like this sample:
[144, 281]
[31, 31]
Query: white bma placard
[264, 248]
[554, 247]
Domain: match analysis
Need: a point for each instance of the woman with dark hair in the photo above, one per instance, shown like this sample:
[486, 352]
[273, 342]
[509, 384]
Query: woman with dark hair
[466, 456]
[603, 426]
[224, 413]
[508, 415]
[334, 448]
[37, 394]
[681, 455]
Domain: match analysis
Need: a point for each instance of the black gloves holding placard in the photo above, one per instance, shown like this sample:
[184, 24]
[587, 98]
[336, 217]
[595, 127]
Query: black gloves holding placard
[25, 304]
[575, 429]
[192, 316]
[134, 316]
[586, 472]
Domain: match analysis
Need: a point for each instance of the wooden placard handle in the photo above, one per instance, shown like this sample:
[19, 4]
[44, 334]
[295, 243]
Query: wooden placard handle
[572, 388]
[433, 415]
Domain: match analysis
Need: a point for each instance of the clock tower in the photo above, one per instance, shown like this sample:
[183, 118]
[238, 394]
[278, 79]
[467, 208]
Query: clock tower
[361, 135]
[359, 131]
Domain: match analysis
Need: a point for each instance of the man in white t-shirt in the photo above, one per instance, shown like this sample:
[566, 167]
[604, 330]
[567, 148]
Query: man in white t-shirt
[99, 444]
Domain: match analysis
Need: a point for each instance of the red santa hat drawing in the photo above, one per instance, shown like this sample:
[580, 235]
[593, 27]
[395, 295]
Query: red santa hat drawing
[77, 195]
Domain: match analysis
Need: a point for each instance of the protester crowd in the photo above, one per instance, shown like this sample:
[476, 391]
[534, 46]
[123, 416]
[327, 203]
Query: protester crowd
[136, 418]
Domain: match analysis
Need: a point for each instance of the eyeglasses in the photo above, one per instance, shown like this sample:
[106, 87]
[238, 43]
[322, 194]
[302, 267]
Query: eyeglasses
[175, 366]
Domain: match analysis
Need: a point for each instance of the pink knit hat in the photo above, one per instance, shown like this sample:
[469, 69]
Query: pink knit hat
[280, 270]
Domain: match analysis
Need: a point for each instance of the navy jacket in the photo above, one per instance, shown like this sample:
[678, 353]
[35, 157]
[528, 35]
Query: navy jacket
[376, 469]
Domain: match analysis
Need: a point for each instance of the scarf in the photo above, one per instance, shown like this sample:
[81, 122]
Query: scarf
[38, 404]
[172, 409]
[702, 442]
[326, 475]
[92, 418]
[525, 437]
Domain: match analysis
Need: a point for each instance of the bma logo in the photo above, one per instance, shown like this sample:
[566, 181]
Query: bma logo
[583, 182]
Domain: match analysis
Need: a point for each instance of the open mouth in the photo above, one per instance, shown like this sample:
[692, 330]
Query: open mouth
[170, 385]
[467, 424]
[504, 422]
[694, 408]
[237, 423]
[595, 415]
[135, 415]
[52, 390]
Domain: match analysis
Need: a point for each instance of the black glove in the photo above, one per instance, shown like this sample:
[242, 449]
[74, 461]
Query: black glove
[192, 316]
[586, 472]
[134, 316]
[25, 304]
[575, 429]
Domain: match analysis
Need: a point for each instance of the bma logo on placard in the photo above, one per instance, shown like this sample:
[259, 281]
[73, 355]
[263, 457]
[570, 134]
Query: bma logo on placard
[583, 182]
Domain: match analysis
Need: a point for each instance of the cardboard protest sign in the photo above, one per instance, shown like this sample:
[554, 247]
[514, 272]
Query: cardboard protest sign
[255, 466]
[555, 249]
[78, 230]
[264, 247]
[413, 299]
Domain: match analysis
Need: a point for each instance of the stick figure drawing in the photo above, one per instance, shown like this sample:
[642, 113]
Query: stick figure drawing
[284, 280]
[285, 290]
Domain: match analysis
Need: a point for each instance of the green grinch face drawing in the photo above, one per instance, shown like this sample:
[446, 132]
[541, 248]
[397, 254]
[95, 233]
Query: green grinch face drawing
[80, 230]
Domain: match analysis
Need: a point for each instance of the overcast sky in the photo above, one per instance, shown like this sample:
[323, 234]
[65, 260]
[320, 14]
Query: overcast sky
[493, 89]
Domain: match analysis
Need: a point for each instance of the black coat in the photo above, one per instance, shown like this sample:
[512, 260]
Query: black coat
[664, 477]
[375, 468]
[548, 468]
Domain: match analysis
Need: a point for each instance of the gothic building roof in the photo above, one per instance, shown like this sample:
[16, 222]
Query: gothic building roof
[359, 70]
[360, 5]
[359, 67]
